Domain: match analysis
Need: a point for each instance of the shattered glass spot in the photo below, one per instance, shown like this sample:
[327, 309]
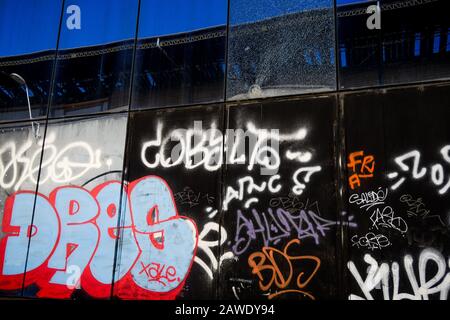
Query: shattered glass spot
[280, 48]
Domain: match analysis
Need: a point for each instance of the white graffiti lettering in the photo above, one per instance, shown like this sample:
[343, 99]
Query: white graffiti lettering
[231, 194]
[436, 171]
[207, 246]
[210, 148]
[381, 274]
[57, 165]
[386, 219]
[367, 200]
[371, 241]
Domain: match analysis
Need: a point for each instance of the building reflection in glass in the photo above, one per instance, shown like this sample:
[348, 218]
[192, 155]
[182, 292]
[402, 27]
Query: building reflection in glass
[280, 48]
[180, 56]
[94, 62]
[412, 45]
[28, 38]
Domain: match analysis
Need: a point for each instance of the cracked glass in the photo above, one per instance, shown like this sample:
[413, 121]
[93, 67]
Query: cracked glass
[280, 48]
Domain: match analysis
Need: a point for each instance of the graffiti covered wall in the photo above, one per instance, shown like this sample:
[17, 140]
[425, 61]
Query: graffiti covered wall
[280, 212]
[398, 190]
[337, 196]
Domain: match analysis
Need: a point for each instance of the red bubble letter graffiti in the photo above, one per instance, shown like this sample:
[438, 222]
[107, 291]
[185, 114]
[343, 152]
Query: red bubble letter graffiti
[77, 230]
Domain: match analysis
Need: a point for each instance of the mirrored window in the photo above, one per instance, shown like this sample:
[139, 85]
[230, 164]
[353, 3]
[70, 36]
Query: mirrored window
[95, 57]
[28, 37]
[396, 41]
[180, 55]
[280, 48]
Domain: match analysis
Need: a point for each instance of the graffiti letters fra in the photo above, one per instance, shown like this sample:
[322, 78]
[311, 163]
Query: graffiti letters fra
[360, 167]
[74, 227]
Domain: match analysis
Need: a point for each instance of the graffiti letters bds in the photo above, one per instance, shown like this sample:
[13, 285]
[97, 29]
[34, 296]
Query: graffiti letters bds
[77, 227]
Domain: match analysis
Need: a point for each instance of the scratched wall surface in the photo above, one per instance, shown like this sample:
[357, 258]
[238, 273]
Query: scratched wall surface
[398, 156]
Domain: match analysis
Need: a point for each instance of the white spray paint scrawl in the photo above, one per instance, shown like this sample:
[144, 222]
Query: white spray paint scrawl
[436, 172]
[436, 283]
[198, 147]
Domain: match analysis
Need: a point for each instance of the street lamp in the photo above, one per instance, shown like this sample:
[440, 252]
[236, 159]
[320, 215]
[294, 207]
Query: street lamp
[20, 80]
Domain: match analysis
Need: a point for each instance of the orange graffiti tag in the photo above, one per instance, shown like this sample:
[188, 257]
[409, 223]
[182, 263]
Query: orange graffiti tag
[273, 266]
[362, 167]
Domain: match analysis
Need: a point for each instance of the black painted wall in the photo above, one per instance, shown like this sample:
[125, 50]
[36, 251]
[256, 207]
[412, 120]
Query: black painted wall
[329, 196]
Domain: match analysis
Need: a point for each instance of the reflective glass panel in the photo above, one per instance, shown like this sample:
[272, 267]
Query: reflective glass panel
[398, 41]
[95, 57]
[280, 48]
[180, 55]
[28, 36]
